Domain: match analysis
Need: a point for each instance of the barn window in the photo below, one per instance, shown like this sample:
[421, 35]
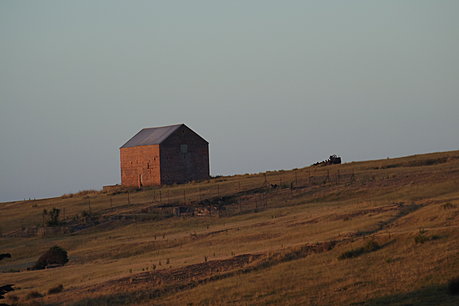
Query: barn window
[183, 148]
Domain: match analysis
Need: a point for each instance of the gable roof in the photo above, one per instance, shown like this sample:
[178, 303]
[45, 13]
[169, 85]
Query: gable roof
[151, 136]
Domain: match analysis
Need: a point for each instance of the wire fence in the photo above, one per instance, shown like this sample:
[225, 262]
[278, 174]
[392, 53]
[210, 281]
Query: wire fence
[221, 196]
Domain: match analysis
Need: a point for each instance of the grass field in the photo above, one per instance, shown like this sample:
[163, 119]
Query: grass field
[282, 237]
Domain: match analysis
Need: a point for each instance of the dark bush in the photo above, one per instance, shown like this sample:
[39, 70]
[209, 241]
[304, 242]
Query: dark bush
[351, 253]
[370, 246]
[448, 206]
[421, 238]
[453, 286]
[56, 289]
[33, 295]
[53, 216]
[54, 256]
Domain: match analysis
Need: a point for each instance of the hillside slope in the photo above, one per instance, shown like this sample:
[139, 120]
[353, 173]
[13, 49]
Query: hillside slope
[375, 232]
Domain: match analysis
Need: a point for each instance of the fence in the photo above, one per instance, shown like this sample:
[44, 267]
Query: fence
[221, 196]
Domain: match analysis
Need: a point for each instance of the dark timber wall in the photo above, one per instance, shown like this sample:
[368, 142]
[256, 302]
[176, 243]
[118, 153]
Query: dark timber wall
[184, 157]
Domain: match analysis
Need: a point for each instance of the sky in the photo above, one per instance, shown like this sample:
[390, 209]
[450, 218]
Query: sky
[270, 84]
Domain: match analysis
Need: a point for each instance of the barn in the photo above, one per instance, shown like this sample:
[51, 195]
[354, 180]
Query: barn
[164, 155]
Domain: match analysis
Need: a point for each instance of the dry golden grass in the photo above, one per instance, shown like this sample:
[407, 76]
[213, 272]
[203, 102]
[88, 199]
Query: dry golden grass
[147, 258]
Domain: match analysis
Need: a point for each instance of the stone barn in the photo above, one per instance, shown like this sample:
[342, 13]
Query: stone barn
[164, 155]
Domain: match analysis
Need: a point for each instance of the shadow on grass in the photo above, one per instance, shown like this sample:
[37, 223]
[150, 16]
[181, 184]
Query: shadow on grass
[434, 295]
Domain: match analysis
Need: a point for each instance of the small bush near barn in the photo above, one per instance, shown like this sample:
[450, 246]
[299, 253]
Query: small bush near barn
[54, 256]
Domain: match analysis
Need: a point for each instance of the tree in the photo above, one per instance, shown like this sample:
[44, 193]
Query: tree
[53, 216]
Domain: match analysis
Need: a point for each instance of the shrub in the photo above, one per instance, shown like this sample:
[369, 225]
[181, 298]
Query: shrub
[421, 237]
[351, 253]
[370, 246]
[448, 206]
[33, 295]
[56, 289]
[54, 256]
[53, 216]
[453, 286]
[13, 299]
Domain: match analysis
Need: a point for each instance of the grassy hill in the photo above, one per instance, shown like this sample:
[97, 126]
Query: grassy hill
[366, 233]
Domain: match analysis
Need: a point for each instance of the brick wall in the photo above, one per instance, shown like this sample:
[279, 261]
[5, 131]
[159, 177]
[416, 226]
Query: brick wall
[140, 166]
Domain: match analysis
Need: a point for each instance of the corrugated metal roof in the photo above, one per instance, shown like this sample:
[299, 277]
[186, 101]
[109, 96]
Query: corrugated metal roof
[151, 136]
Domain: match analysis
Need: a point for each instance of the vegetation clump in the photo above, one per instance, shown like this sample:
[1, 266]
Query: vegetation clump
[453, 286]
[370, 246]
[421, 237]
[56, 289]
[53, 216]
[54, 256]
[33, 295]
[448, 206]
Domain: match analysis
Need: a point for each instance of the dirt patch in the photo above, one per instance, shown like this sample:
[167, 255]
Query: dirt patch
[150, 285]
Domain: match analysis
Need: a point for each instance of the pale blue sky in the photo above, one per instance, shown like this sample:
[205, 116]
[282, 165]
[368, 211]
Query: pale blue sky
[270, 84]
